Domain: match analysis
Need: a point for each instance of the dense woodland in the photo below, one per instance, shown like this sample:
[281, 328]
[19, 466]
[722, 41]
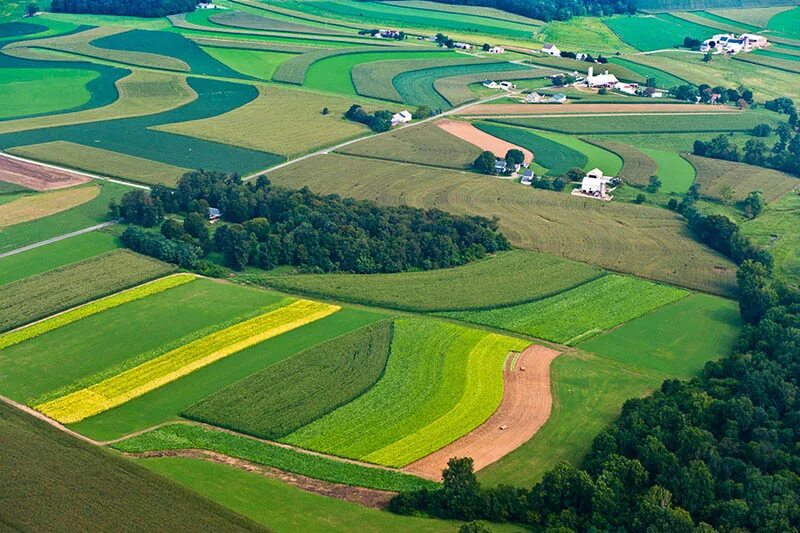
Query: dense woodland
[553, 9]
[131, 8]
[267, 226]
[718, 453]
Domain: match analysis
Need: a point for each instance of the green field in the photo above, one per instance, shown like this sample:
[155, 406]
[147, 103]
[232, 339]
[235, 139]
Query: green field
[29, 91]
[578, 313]
[169, 401]
[422, 401]
[38, 296]
[663, 79]
[424, 145]
[586, 34]
[190, 437]
[458, 89]
[637, 167]
[787, 23]
[255, 63]
[715, 175]
[508, 278]
[776, 229]
[55, 255]
[675, 172]
[676, 339]
[86, 488]
[322, 378]
[755, 16]
[295, 69]
[374, 79]
[656, 32]
[650, 242]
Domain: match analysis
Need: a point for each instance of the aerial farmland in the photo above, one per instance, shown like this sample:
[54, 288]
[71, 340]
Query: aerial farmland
[399, 265]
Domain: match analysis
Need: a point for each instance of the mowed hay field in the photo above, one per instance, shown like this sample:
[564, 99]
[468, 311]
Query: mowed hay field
[262, 124]
[776, 228]
[37, 296]
[427, 145]
[637, 167]
[578, 313]
[56, 481]
[34, 206]
[508, 278]
[648, 242]
[36, 86]
[714, 175]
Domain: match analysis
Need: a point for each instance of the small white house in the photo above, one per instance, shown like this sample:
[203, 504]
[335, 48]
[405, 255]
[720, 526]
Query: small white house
[401, 118]
[594, 187]
[214, 214]
[527, 177]
[558, 98]
[462, 46]
[534, 98]
[627, 88]
[551, 49]
[500, 166]
[491, 84]
[208, 5]
[497, 50]
[506, 85]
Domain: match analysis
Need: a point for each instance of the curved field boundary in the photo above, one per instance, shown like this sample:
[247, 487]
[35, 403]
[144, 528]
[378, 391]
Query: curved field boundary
[757, 17]
[675, 172]
[294, 69]
[482, 395]
[593, 109]
[374, 79]
[41, 327]
[713, 175]
[564, 64]
[785, 65]
[296, 14]
[473, 10]
[251, 45]
[35, 206]
[485, 141]
[177, 363]
[525, 407]
[140, 93]
[37, 177]
[455, 89]
[637, 167]
[239, 19]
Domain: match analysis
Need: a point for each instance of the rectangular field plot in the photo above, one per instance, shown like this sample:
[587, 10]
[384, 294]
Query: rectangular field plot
[677, 339]
[168, 401]
[57, 358]
[580, 312]
[511, 277]
[40, 205]
[441, 382]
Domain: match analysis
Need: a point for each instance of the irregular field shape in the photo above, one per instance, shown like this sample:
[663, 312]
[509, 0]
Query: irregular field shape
[653, 243]
[478, 11]
[374, 79]
[655, 32]
[140, 93]
[510, 277]
[254, 63]
[455, 89]
[786, 22]
[713, 174]
[166, 403]
[39, 205]
[585, 310]
[104, 162]
[677, 339]
[552, 155]
[322, 378]
[675, 172]
[239, 19]
[663, 79]
[55, 255]
[261, 124]
[586, 33]
[482, 395]
[29, 91]
[181, 361]
[294, 69]
[776, 228]
[637, 167]
[787, 65]
[186, 436]
[596, 156]
[15, 29]
[756, 16]
[478, 136]
[37, 177]
[29, 368]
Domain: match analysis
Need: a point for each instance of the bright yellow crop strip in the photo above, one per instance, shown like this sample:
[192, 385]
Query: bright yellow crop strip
[181, 361]
[98, 306]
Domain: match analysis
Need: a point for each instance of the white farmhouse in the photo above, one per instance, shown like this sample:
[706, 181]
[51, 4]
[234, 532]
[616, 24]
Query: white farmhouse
[401, 118]
[595, 185]
[497, 50]
[534, 98]
[551, 49]
[462, 46]
[627, 88]
[491, 84]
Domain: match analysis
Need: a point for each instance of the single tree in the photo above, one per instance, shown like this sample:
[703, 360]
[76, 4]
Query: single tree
[32, 9]
[726, 194]
[640, 198]
[654, 184]
[485, 162]
[754, 204]
[514, 157]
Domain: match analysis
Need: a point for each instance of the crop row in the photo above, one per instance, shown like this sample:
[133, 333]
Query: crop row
[184, 436]
[98, 306]
[177, 363]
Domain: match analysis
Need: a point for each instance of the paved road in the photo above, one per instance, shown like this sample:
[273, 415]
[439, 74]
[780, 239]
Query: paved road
[56, 239]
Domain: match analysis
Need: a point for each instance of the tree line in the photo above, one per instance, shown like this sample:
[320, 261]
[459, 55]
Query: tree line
[554, 9]
[266, 226]
[131, 8]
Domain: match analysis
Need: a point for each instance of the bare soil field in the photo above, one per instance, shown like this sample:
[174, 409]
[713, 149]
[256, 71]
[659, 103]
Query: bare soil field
[37, 177]
[526, 405]
[583, 109]
[467, 132]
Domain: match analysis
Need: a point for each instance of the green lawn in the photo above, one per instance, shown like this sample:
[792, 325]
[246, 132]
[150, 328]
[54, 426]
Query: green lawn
[677, 339]
[256, 63]
[29, 91]
[676, 173]
[777, 229]
[167, 402]
[581, 312]
[585, 34]
[656, 32]
[55, 255]
[508, 278]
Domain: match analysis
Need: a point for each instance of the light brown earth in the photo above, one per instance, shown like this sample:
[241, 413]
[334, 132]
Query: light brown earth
[526, 405]
[41, 205]
[37, 177]
[467, 132]
[547, 109]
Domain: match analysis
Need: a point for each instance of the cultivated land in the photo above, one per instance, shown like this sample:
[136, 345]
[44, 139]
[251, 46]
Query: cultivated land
[37, 177]
[32, 207]
[716, 176]
[594, 108]
[466, 131]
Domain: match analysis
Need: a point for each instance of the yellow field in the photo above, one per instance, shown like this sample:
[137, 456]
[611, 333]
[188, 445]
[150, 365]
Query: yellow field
[41, 205]
[179, 362]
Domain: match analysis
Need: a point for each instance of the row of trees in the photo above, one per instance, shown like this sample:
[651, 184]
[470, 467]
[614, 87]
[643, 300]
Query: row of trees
[717, 453]
[267, 226]
[783, 155]
[131, 8]
[379, 121]
[706, 94]
[554, 9]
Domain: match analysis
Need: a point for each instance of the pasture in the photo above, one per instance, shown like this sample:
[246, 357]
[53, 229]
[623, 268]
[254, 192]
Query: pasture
[663, 78]
[786, 22]
[374, 79]
[578, 313]
[656, 32]
[28, 91]
[755, 16]
[259, 64]
[776, 229]
[676, 173]
[716, 177]
[507, 278]
[649, 242]
[676, 339]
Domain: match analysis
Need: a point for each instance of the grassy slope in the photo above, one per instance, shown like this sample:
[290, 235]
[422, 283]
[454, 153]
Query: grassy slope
[776, 228]
[255, 63]
[713, 174]
[675, 172]
[507, 278]
[29, 91]
[54, 481]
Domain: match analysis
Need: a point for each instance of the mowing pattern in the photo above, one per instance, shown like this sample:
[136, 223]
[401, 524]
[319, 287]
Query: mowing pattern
[637, 167]
[581, 312]
[716, 176]
[374, 79]
[185, 436]
[290, 394]
[294, 69]
[34, 297]
[182, 361]
[441, 381]
[32, 207]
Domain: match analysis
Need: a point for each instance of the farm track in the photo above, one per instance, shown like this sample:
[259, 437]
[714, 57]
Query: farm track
[526, 406]
[37, 177]
[72, 171]
[58, 238]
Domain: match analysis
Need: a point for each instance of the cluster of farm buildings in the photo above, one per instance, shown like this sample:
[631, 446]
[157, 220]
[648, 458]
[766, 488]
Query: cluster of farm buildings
[728, 43]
